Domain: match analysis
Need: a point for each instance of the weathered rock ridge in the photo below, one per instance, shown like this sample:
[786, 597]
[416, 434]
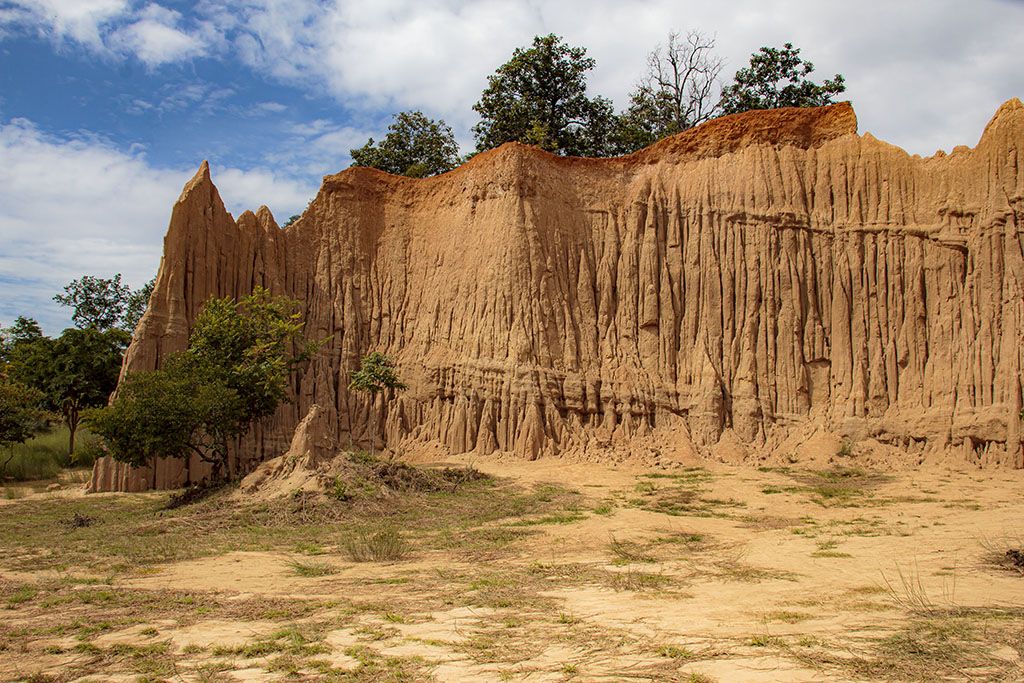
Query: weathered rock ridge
[759, 274]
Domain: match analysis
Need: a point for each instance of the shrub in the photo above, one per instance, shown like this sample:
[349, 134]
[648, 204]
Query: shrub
[387, 545]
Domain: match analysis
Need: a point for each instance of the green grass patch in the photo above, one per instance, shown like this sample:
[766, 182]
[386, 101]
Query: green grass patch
[312, 569]
[45, 456]
[133, 533]
[554, 518]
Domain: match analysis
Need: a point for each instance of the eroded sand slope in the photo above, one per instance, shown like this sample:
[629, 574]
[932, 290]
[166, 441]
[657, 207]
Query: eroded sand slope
[745, 282]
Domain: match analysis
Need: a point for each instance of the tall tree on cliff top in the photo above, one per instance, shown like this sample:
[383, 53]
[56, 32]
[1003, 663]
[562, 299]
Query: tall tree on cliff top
[415, 146]
[676, 93]
[777, 78]
[539, 97]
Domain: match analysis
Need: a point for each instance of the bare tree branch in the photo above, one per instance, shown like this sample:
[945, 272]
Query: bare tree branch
[683, 75]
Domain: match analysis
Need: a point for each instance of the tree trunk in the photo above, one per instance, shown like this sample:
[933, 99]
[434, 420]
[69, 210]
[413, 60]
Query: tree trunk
[72, 420]
[220, 464]
[373, 426]
[10, 457]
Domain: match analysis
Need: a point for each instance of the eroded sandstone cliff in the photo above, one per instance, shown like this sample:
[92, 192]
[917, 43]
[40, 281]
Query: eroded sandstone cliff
[762, 274]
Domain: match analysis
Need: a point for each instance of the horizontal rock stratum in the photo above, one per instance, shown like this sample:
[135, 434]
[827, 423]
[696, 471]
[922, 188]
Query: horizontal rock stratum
[763, 276]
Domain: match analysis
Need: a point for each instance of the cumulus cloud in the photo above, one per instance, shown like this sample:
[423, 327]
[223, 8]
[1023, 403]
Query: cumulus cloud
[84, 21]
[154, 37]
[81, 206]
[922, 76]
[114, 28]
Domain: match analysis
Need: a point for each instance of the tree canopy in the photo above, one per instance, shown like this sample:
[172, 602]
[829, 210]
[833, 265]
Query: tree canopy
[778, 78]
[73, 372]
[415, 146]
[234, 372]
[539, 97]
[136, 304]
[21, 414]
[105, 303]
[23, 331]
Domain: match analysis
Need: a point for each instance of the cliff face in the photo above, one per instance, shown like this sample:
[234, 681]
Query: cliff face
[750, 277]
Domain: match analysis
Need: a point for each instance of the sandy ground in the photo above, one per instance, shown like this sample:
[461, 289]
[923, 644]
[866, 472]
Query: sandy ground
[752, 586]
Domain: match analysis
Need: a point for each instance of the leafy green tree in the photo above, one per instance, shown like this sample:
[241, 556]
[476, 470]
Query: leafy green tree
[105, 303]
[136, 304]
[23, 331]
[675, 94]
[415, 146]
[778, 78]
[21, 415]
[74, 372]
[539, 97]
[376, 372]
[234, 372]
[98, 302]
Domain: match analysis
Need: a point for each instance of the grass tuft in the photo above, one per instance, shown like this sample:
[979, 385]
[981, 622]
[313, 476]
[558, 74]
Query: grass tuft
[312, 569]
[387, 545]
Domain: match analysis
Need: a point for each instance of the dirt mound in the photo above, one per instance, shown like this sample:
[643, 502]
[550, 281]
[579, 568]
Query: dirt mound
[738, 287]
[349, 477]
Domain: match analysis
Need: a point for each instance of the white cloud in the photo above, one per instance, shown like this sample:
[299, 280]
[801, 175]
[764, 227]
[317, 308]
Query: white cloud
[115, 28]
[921, 75]
[250, 189]
[74, 207]
[156, 39]
[271, 107]
[83, 21]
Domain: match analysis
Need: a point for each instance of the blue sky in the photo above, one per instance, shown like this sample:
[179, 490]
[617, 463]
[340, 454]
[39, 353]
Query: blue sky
[107, 107]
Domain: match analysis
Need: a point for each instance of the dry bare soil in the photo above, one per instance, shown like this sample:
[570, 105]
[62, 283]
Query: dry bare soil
[542, 571]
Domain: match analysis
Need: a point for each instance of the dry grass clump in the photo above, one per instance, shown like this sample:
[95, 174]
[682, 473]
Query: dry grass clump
[948, 645]
[312, 569]
[837, 487]
[359, 475]
[386, 545]
[1015, 558]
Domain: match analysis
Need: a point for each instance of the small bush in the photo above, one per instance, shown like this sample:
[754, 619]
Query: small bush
[79, 521]
[362, 458]
[368, 477]
[339, 490]
[387, 545]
